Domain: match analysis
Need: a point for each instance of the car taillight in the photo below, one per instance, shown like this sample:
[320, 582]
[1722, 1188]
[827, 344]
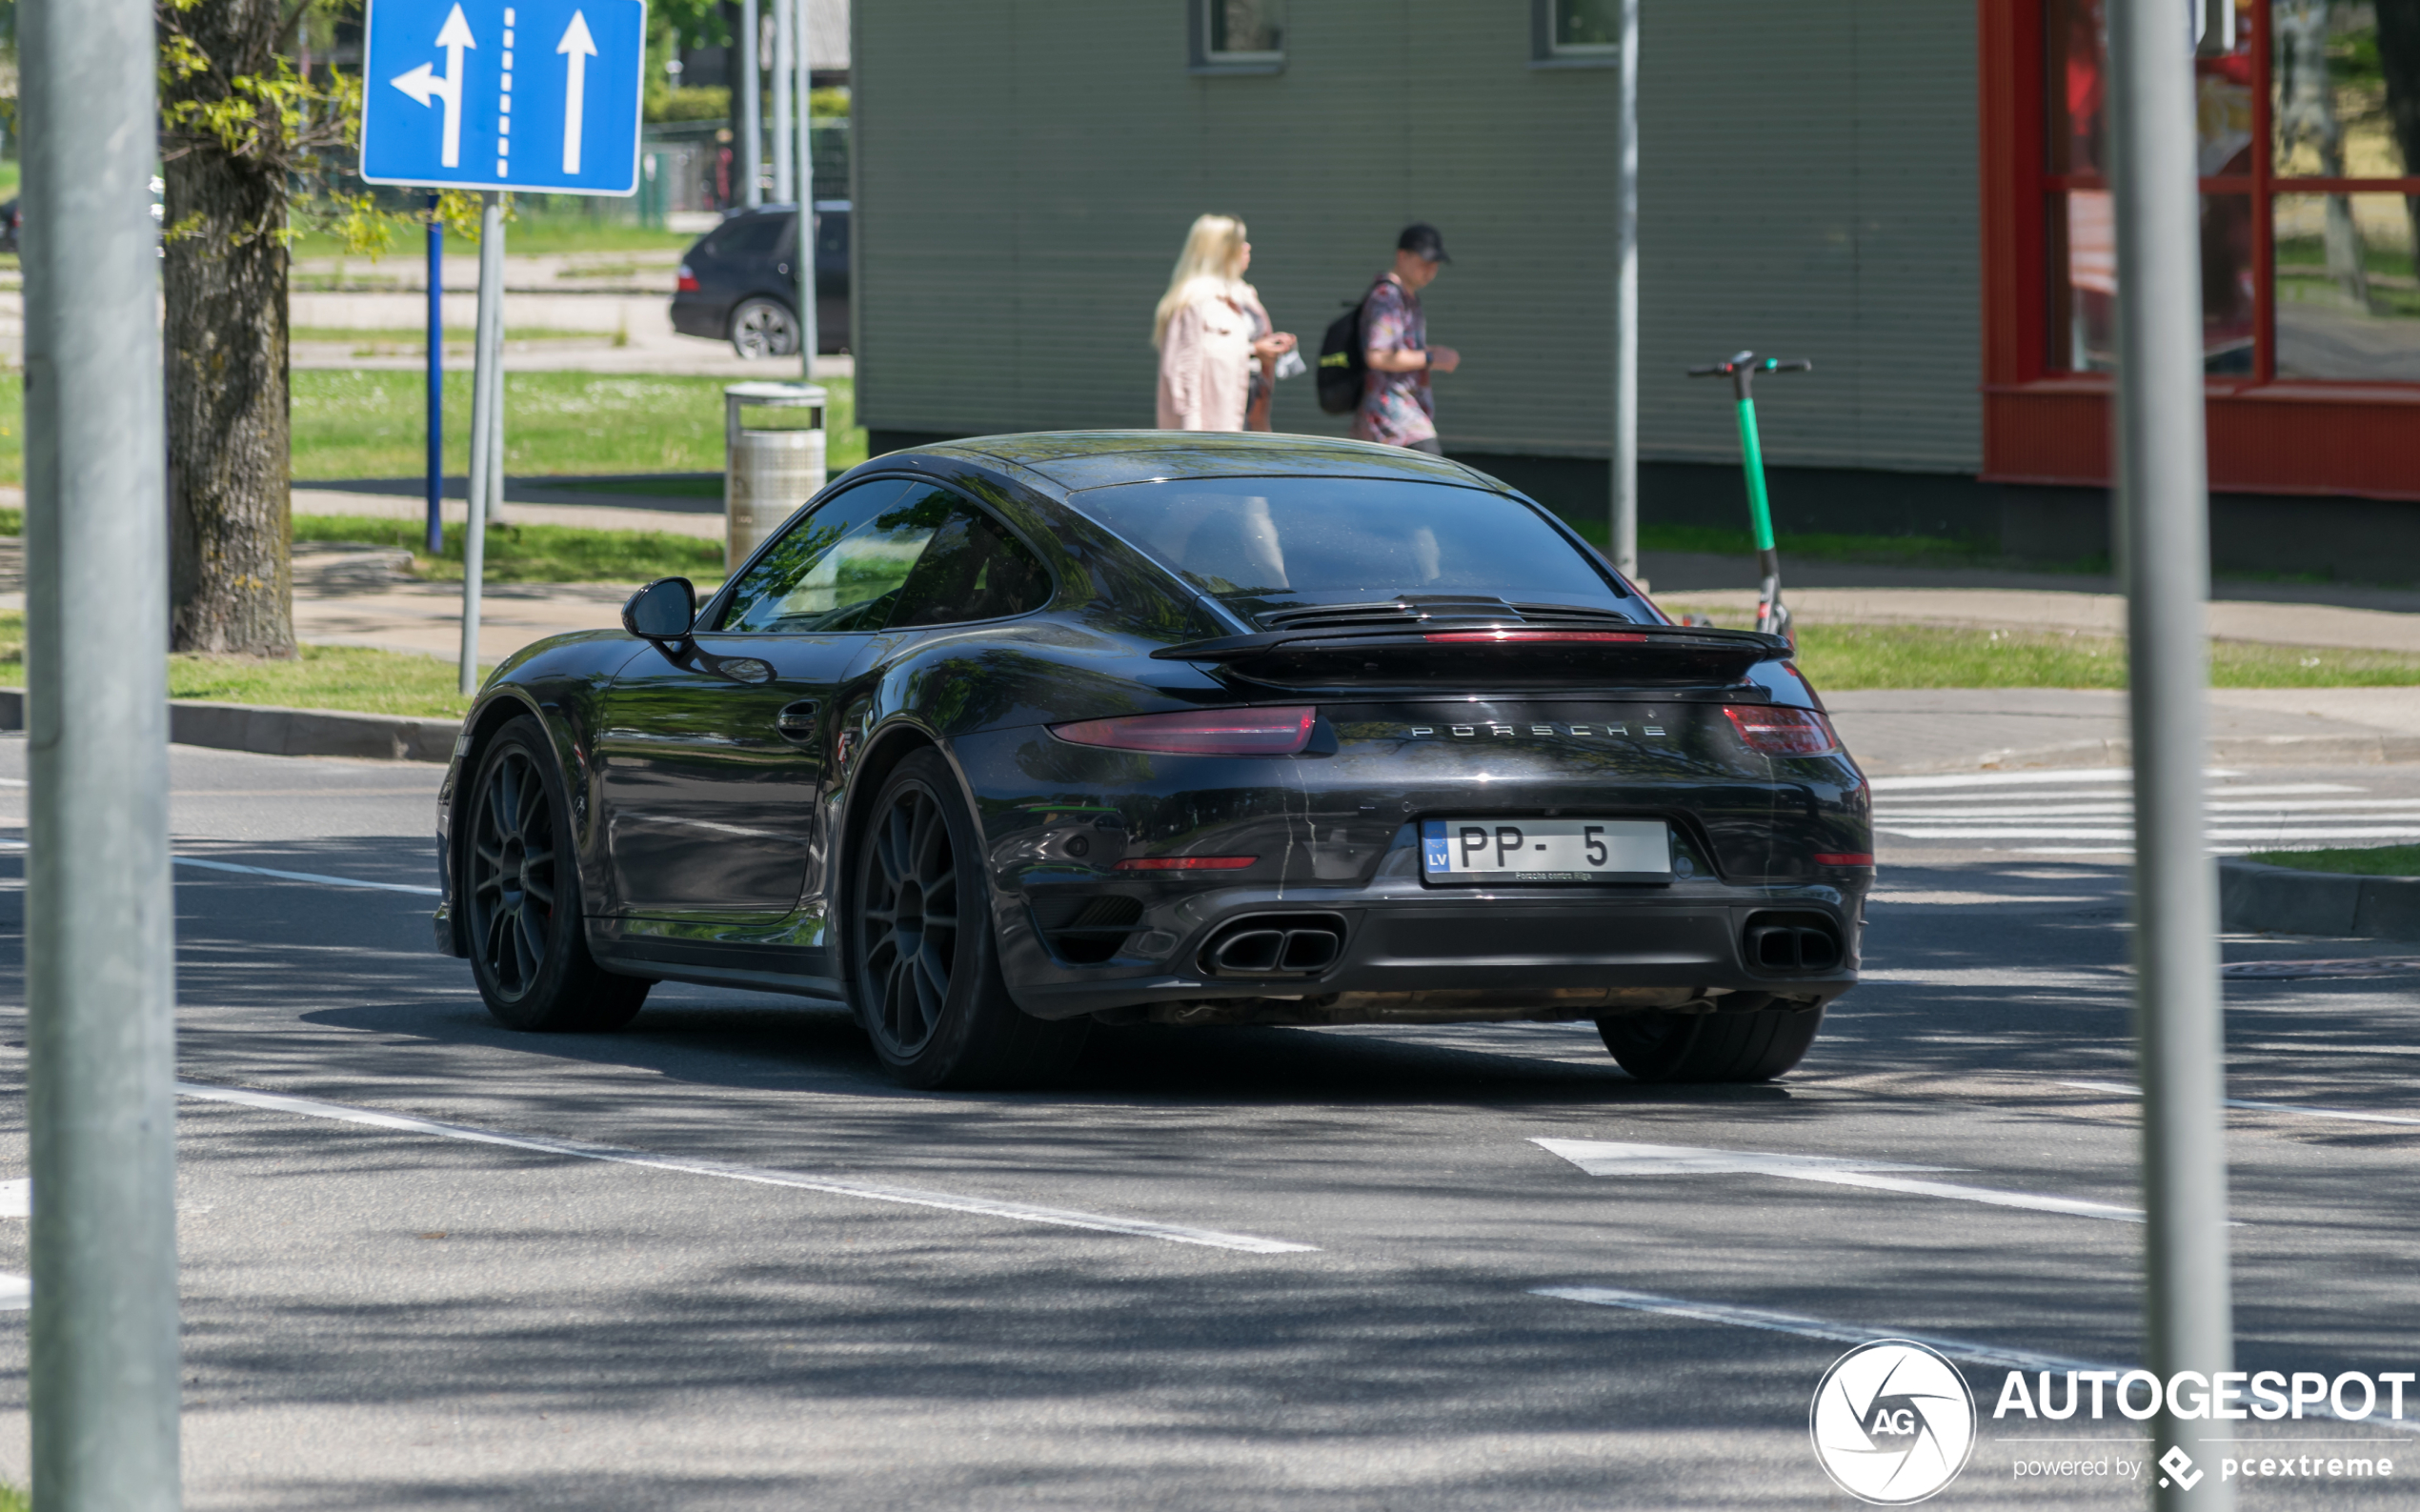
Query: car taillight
[688, 284]
[1186, 864]
[1535, 637]
[1200, 732]
[1845, 859]
[1781, 731]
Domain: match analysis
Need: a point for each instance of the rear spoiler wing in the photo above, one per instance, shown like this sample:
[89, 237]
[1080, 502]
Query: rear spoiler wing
[1495, 656]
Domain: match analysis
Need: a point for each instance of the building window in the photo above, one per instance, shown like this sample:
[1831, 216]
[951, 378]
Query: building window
[1250, 33]
[1575, 33]
[2310, 199]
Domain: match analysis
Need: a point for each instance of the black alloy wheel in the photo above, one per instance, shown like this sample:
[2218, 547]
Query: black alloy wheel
[924, 965]
[1755, 1046]
[520, 897]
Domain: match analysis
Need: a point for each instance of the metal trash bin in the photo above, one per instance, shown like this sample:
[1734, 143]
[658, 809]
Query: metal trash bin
[767, 474]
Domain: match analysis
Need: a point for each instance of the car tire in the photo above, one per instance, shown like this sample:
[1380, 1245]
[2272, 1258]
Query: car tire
[1755, 1046]
[520, 890]
[923, 963]
[763, 328]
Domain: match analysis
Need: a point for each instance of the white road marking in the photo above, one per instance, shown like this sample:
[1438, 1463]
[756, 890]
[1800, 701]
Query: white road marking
[2000, 779]
[875, 1191]
[1600, 1158]
[2122, 1090]
[305, 877]
[2315, 808]
[16, 1198]
[2231, 791]
[2054, 831]
[16, 1293]
[321, 879]
[1807, 1328]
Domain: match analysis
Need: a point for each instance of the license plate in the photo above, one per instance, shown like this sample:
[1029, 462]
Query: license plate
[1500, 849]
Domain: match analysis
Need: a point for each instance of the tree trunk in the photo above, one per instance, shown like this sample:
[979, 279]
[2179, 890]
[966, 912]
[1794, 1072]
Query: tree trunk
[2399, 57]
[230, 530]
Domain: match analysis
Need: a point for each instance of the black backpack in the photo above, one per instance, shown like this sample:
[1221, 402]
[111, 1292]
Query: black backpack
[1342, 362]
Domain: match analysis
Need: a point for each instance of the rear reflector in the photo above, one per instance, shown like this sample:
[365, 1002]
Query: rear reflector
[1844, 857]
[1534, 638]
[1200, 732]
[1186, 863]
[1781, 731]
[688, 281]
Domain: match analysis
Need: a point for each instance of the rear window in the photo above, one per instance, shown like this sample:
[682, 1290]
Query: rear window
[1330, 539]
[749, 236]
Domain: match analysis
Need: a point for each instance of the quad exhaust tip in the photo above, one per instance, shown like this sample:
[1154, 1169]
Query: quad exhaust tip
[1263, 948]
[1792, 943]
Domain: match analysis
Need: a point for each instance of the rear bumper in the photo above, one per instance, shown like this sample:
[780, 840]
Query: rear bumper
[1412, 952]
[693, 316]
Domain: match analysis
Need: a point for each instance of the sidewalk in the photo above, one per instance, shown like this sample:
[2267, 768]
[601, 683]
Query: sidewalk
[1895, 732]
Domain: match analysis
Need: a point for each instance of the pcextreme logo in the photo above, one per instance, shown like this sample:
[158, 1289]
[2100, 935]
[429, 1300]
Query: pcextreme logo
[1893, 1422]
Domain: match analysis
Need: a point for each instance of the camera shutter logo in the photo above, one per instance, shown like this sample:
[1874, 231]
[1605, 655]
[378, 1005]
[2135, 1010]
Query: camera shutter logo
[1893, 1422]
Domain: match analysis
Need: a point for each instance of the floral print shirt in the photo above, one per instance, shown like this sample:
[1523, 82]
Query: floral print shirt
[1396, 407]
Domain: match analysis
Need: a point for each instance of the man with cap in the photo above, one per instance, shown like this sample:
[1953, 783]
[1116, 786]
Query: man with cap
[1396, 407]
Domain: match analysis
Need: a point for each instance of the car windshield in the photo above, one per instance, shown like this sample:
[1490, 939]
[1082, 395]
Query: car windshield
[1263, 543]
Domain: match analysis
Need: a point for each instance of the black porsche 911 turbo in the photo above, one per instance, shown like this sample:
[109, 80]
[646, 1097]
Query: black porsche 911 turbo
[999, 740]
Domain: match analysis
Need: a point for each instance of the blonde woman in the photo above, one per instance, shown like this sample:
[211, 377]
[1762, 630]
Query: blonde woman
[1212, 332]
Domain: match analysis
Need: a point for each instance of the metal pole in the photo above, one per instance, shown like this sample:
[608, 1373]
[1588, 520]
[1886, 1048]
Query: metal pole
[100, 916]
[485, 399]
[751, 125]
[437, 380]
[808, 333]
[1625, 537]
[782, 52]
[2163, 538]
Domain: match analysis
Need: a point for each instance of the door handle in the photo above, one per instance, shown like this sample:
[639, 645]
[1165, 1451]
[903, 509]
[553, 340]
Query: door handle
[796, 721]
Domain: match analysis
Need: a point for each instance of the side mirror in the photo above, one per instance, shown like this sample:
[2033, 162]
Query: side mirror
[665, 610]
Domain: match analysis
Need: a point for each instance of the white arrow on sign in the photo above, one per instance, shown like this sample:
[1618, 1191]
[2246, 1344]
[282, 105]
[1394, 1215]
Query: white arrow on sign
[577, 47]
[422, 82]
[1601, 1159]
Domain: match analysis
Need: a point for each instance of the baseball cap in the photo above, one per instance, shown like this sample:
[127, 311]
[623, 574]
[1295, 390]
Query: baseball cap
[1421, 240]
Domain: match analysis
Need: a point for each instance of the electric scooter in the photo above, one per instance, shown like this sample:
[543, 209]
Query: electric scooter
[1772, 616]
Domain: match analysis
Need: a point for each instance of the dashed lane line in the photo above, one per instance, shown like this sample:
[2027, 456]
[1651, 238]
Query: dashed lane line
[871, 1191]
[1599, 1158]
[319, 877]
[2349, 1115]
[1805, 1327]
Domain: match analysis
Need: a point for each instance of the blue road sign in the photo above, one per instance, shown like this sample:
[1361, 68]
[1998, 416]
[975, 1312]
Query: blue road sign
[535, 94]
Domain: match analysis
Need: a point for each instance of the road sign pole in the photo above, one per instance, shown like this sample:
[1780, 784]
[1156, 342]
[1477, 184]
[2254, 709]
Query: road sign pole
[783, 49]
[1624, 533]
[751, 125]
[808, 333]
[100, 914]
[437, 380]
[486, 429]
[2163, 538]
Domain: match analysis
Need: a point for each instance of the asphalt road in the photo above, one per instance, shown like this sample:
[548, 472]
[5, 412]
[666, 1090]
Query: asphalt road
[719, 1261]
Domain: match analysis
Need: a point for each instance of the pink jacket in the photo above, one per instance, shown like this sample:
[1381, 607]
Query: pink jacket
[1205, 367]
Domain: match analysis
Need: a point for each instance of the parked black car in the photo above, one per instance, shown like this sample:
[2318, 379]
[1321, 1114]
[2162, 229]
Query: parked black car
[1001, 739]
[12, 221]
[739, 283]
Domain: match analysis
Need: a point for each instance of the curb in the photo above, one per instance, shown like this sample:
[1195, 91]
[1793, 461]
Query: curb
[267, 730]
[2257, 898]
[2382, 748]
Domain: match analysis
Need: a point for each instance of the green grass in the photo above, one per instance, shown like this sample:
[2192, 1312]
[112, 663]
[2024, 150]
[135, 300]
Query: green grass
[2373, 860]
[1840, 657]
[538, 233]
[417, 337]
[534, 554]
[358, 423]
[322, 677]
[12, 1500]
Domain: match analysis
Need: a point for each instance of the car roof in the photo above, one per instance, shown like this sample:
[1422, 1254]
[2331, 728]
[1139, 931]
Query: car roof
[1086, 459]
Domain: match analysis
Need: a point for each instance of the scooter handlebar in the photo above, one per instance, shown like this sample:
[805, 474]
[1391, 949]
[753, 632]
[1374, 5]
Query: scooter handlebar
[1751, 361]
